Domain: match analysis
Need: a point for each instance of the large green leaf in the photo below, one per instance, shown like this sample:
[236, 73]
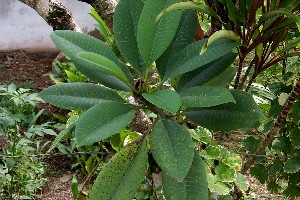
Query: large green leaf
[168, 100]
[78, 96]
[172, 148]
[194, 185]
[126, 17]
[185, 35]
[206, 73]
[104, 63]
[102, 121]
[154, 37]
[122, 176]
[189, 58]
[205, 96]
[224, 79]
[245, 113]
[72, 43]
[292, 165]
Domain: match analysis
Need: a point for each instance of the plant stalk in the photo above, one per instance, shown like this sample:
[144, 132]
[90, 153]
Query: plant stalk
[275, 129]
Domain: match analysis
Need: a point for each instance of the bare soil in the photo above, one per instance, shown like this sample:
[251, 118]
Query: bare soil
[30, 70]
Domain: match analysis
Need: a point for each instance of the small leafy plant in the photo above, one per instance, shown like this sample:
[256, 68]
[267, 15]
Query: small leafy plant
[180, 82]
[21, 174]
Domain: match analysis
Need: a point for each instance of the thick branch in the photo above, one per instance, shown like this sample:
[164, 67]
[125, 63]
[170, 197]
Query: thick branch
[275, 129]
[105, 8]
[54, 13]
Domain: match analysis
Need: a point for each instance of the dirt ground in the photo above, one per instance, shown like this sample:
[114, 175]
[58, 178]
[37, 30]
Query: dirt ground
[29, 70]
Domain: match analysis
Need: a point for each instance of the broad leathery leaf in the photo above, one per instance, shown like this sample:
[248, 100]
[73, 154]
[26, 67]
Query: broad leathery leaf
[78, 96]
[72, 43]
[169, 100]
[205, 96]
[190, 59]
[245, 113]
[225, 34]
[102, 121]
[224, 79]
[172, 148]
[105, 64]
[121, 177]
[201, 7]
[185, 35]
[194, 185]
[206, 73]
[279, 13]
[154, 37]
[126, 17]
[292, 165]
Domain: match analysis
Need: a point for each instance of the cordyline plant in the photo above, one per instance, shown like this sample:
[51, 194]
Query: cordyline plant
[199, 73]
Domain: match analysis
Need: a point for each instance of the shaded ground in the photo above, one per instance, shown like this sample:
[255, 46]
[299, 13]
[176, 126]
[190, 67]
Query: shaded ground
[28, 70]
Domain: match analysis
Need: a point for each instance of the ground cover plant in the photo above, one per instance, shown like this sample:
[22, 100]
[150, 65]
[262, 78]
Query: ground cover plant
[21, 137]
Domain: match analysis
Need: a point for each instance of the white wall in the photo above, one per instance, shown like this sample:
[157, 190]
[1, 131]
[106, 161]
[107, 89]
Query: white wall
[22, 28]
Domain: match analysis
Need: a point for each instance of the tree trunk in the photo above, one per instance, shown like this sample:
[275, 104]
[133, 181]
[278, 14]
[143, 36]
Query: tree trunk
[105, 8]
[54, 13]
[60, 18]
